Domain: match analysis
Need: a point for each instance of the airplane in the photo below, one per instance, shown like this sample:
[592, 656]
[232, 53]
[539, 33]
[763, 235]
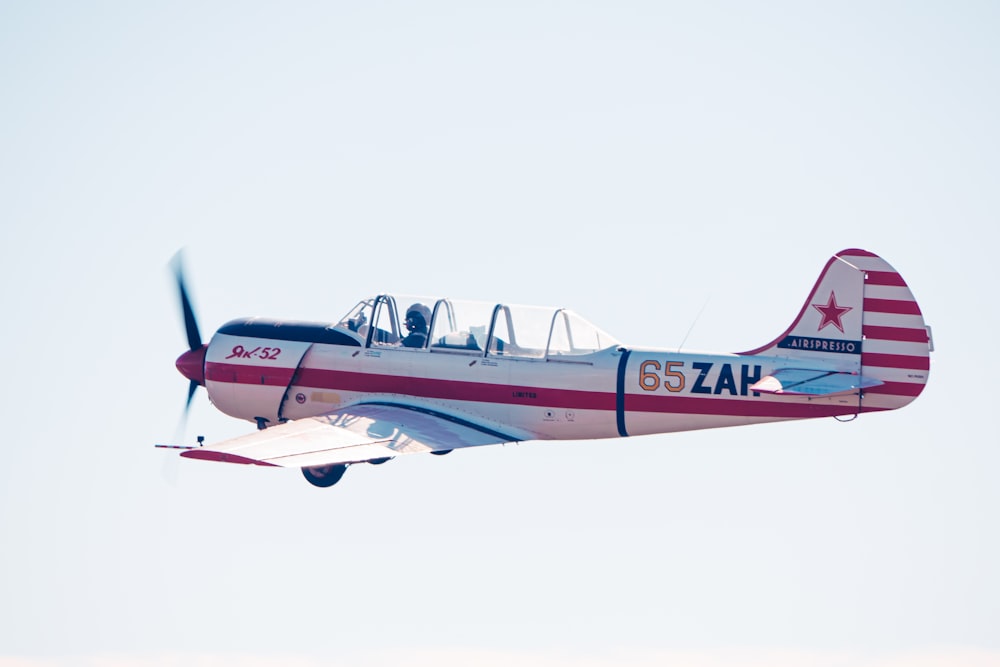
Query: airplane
[408, 374]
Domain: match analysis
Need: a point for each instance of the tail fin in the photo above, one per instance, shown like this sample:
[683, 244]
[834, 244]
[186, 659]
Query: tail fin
[861, 319]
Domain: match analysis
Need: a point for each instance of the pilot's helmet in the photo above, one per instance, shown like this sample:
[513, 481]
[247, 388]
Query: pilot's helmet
[417, 316]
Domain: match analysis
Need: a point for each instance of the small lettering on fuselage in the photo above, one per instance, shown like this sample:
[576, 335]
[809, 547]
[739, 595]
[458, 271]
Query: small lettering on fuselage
[269, 353]
[524, 394]
[822, 344]
[669, 376]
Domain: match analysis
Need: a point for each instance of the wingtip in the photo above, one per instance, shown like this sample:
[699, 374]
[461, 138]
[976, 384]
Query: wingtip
[223, 457]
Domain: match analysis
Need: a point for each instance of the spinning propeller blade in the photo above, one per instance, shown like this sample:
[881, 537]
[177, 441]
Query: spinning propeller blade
[192, 388]
[190, 322]
[191, 364]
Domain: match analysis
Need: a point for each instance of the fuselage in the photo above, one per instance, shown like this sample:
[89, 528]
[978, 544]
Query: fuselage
[270, 372]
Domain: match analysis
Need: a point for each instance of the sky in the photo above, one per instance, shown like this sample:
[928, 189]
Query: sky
[675, 172]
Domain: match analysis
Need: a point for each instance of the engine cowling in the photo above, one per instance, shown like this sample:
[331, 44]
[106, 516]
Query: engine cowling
[247, 377]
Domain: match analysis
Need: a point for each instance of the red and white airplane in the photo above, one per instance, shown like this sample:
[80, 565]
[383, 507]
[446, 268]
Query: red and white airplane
[401, 375]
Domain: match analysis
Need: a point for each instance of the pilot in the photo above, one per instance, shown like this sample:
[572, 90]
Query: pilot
[417, 317]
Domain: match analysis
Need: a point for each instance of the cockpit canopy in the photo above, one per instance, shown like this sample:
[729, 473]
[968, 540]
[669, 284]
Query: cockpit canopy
[472, 327]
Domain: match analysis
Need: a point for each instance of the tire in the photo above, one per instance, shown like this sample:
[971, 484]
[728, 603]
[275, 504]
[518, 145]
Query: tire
[324, 476]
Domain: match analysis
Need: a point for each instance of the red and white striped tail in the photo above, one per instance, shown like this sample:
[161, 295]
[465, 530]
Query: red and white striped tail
[861, 319]
[896, 342]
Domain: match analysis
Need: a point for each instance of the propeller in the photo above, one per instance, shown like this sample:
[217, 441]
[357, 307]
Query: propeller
[190, 322]
[191, 364]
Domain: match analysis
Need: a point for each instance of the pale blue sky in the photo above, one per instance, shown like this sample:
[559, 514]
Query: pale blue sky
[632, 161]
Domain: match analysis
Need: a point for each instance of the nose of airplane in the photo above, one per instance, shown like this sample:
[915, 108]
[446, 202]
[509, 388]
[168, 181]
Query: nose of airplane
[191, 364]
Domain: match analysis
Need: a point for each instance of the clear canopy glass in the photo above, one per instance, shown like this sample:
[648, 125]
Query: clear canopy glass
[473, 327]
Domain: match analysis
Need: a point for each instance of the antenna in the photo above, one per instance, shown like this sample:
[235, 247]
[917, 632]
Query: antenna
[696, 318]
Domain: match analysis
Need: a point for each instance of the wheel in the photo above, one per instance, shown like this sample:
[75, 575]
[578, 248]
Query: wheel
[324, 476]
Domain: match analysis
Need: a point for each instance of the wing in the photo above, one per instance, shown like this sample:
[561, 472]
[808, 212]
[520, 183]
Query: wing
[355, 434]
[804, 382]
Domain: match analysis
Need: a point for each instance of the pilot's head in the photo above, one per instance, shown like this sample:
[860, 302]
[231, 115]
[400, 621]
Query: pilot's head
[417, 317]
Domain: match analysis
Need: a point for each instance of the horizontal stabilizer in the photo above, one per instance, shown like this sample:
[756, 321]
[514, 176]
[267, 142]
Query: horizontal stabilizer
[805, 382]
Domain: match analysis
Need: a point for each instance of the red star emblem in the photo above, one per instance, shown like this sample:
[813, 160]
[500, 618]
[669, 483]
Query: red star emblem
[832, 313]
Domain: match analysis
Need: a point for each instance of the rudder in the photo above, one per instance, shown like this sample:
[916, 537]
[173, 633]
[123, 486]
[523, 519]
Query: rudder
[896, 340]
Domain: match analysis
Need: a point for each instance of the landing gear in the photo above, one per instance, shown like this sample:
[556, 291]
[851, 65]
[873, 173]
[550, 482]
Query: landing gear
[324, 476]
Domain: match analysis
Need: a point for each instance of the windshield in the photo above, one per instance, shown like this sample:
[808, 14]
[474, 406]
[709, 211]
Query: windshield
[357, 317]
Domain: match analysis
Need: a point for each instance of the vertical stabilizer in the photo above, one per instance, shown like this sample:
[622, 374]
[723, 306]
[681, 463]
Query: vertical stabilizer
[861, 318]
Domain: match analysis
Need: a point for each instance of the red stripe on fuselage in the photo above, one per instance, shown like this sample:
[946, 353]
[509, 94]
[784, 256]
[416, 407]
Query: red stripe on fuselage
[244, 374]
[456, 390]
[895, 333]
[547, 397]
